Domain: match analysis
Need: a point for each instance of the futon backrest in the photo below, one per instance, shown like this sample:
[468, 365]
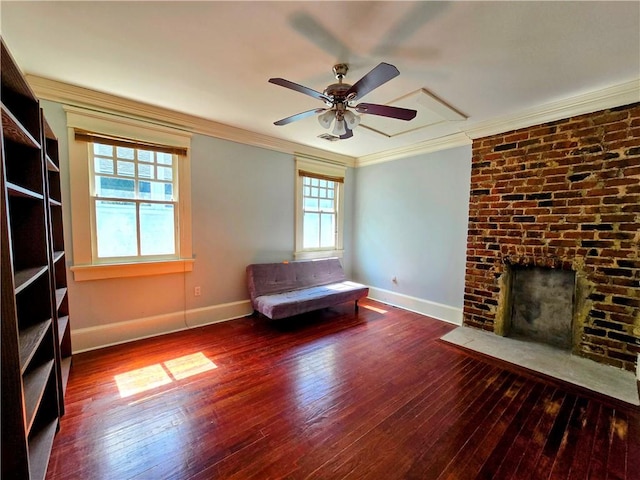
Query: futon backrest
[269, 278]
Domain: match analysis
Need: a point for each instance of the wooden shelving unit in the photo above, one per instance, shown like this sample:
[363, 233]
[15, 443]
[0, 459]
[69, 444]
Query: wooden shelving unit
[36, 341]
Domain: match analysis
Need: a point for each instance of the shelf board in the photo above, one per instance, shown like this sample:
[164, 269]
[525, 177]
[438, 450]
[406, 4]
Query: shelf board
[65, 367]
[35, 384]
[54, 203]
[60, 294]
[63, 323]
[30, 339]
[48, 131]
[51, 166]
[57, 255]
[14, 130]
[40, 450]
[25, 277]
[18, 191]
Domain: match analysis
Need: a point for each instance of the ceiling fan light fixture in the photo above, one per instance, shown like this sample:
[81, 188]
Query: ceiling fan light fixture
[339, 128]
[326, 118]
[351, 119]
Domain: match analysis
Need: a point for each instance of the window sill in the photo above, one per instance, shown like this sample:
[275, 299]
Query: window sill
[315, 254]
[82, 273]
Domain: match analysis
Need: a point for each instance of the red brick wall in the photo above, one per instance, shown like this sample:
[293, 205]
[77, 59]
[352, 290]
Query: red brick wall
[565, 194]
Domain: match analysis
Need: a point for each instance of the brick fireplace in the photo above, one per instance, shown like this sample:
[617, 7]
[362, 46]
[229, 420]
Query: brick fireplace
[564, 195]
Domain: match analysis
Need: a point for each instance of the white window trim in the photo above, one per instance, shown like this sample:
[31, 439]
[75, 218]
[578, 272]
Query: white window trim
[321, 168]
[84, 267]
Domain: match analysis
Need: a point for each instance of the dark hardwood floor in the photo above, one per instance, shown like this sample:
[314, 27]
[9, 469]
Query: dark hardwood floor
[331, 395]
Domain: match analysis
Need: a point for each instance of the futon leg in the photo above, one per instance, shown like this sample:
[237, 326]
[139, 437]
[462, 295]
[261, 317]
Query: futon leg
[356, 306]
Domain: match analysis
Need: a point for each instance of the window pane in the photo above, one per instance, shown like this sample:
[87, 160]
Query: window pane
[115, 187]
[106, 150]
[155, 190]
[157, 232]
[126, 169]
[116, 229]
[145, 156]
[165, 173]
[327, 237]
[311, 229]
[125, 152]
[310, 203]
[145, 171]
[103, 165]
[326, 204]
[164, 158]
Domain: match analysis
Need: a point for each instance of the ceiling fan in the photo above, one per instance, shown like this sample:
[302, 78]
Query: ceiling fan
[339, 98]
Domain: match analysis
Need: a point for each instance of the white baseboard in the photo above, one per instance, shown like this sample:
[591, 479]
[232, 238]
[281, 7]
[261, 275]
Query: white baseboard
[91, 338]
[435, 310]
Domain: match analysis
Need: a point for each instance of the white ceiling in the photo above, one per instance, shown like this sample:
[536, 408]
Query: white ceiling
[486, 60]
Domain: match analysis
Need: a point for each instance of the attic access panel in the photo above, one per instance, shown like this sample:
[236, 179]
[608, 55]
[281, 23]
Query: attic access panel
[431, 111]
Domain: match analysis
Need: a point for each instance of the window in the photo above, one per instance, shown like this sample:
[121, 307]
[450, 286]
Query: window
[130, 197]
[134, 200]
[319, 213]
[319, 206]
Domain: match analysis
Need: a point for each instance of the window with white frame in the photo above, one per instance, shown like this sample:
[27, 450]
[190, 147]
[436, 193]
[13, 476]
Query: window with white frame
[319, 202]
[134, 198]
[319, 208]
[130, 196]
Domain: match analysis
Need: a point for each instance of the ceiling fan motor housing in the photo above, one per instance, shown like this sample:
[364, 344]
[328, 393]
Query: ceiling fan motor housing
[338, 91]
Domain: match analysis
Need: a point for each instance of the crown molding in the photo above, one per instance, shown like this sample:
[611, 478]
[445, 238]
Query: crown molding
[610, 97]
[443, 143]
[67, 94]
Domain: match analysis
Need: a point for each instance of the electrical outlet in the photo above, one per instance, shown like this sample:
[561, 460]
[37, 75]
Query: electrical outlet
[197, 292]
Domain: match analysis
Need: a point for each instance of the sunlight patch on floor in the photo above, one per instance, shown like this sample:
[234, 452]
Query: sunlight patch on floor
[189, 365]
[374, 309]
[154, 376]
[141, 380]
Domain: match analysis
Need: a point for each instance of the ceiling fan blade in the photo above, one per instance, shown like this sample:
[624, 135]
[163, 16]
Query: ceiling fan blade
[349, 133]
[376, 77]
[386, 111]
[299, 88]
[317, 33]
[299, 116]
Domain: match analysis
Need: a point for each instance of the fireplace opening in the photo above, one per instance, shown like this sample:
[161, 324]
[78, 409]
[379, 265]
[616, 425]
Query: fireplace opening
[541, 305]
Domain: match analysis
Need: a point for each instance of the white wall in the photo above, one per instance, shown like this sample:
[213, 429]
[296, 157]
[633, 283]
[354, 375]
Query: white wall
[242, 213]
[410, 222]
